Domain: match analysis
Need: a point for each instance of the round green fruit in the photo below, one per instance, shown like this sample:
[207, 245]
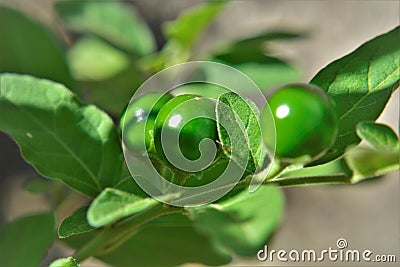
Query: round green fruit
[305, 121]
[137, 123]
[181, 127]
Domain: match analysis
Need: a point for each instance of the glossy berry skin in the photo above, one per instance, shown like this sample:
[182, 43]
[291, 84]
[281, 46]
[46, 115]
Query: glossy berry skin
[305, 121]
[189, 117]
[137, 123]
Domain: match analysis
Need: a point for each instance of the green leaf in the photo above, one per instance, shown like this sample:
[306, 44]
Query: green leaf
[336, 166]
[360, 85]
[62, 138]
[358, 164]
[170, 240]
[185, 30]
[25, 241]
[244, 222]
[92, 59]
[75, 224]
[128, 184]
[379, 136]
[65, 262]
[115, 21]
[29, 48]
[368, 163]
[250, 57]
[259, 40]
[112, 205]
[241, 116]
[176, 242]
[182, 35]
[38, 185]
[266, 75]
[121, 86]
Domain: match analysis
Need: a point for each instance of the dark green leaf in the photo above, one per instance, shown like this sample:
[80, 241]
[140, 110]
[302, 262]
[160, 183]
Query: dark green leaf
[92, 59]
[27, 47]
[75, 224]
[25, 241]
[59, 136]
[65, 262]
[360, 85]
[260, 39]
[115, 21]
[185, 30]
[242, 141]
[112, 205]
[244, 222]
[379, 136]
[169, 241]
[129, 185]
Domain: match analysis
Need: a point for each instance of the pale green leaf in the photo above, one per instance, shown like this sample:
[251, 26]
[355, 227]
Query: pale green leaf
[62, 138]
[358, 164]
[360, 85]
[368, 163]
[269, 75]
[75, 224]
[242, 141]
[112, 205]
[266, 75]
[186, 29]
[92, 59]
[65, 262]
[379, 136]
[25, 241]
[115, 21]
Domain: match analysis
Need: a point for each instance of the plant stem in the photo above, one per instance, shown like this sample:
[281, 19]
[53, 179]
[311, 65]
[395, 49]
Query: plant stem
[113, 236]
[90, 248]
[298, 181]
[277, 168]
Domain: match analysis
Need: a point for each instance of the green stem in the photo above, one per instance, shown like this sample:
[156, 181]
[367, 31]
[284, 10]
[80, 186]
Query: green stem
[311, 180]
[277, 168]
[95, 244]
[113, 236]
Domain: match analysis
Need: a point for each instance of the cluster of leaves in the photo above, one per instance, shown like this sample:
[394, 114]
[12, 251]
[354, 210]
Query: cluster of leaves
[78, 144]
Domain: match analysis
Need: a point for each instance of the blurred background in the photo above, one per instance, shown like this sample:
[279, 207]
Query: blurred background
[366, 214]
